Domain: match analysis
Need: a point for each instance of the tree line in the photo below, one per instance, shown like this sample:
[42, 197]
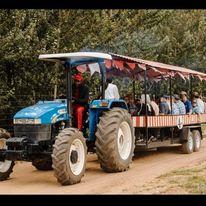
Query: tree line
[170, 36]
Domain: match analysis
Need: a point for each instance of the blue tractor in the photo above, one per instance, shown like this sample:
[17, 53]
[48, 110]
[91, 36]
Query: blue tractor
[44, 133]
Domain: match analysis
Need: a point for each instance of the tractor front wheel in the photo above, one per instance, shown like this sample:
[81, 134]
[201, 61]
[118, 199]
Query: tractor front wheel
[6, 166]
[115, 140]
[69, 156]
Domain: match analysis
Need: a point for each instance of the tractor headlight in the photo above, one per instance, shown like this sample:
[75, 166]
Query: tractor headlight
[27, 121]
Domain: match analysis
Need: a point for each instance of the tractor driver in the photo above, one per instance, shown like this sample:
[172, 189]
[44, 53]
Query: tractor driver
[80, 99]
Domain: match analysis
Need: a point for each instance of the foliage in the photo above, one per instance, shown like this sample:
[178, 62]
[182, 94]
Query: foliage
[169, 36]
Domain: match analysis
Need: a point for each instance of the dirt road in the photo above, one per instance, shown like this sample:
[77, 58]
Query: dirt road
[146, 166]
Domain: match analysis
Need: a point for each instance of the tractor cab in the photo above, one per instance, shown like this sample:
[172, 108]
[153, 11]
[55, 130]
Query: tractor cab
[86, 62]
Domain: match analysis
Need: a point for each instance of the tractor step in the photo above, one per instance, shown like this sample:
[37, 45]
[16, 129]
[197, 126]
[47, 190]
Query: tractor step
[2, 154]
[16, 155]
[16, 142]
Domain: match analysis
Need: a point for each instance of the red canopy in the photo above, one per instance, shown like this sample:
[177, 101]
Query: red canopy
[120, 65]
[155, 70]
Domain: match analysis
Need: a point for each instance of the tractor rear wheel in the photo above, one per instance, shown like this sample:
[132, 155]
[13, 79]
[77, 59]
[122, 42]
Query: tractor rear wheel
[196, 140]
[6, 166]
[188, 146]
[115, 140]
[43, 164]
[69, 156]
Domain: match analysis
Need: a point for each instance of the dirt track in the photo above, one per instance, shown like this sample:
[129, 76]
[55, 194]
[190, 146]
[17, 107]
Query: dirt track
[145, 167]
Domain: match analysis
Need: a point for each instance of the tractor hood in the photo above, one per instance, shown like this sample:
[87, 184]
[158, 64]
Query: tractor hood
[46, 112]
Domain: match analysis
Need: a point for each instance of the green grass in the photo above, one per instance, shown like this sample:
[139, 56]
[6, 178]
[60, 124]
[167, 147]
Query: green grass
[190, 180]
[195, 184]
[182, 172]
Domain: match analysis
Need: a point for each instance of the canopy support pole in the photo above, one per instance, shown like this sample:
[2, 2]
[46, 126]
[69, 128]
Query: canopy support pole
[170, 93]
[69, 92]
[146, 115]
[171, 108]
[190, 86]
[133, 85]
[103, 79]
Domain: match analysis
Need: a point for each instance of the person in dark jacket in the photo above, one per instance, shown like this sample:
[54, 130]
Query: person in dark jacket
[164, 106]
[80, 99]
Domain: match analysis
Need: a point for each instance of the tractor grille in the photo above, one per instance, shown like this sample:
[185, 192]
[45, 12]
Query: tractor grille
[33, 132]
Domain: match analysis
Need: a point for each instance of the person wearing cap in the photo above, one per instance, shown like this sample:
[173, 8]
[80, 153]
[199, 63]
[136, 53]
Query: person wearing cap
[195, 109]
[167, 97]
[80, 99]
[111, 91]
[164, 106]
[180, 104]
[187, 102]
[200, 103]
[175, 110]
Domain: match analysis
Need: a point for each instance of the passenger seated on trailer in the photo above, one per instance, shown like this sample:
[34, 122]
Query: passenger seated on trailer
[187, 102]
[180, 104]
[164, 106]
[154, 106]
[167, 97]
[200, 103]
[195, 109]
[154, 131]
[138, 105]
[175, 110]
[150, 112]
[165, 109]
[143, 107]
[131, 104]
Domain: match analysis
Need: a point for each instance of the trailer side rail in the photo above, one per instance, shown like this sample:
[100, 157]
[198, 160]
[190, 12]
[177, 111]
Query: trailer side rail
[168, 120]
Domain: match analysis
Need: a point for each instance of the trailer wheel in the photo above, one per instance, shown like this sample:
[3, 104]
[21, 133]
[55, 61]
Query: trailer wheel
[115, 140]
[196, 140]
[42, 164]
[6, 166]
[188, 146]
[69, 156]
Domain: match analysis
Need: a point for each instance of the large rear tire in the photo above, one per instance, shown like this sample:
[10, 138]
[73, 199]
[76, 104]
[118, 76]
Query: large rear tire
[6, 166]
[69, 156]
[115, 140]
[43, 164]
[188, 146]
[196, 140]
